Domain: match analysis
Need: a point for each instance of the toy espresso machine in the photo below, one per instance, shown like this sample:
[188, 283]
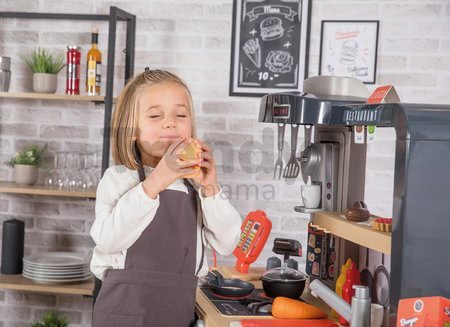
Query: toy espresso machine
[329, 155]
[332, 107]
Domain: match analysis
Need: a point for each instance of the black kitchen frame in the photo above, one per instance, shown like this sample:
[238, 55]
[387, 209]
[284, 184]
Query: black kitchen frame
[115, 15]
[257, 93]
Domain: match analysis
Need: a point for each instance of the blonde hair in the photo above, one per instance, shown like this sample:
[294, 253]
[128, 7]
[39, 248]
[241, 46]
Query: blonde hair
[125, 118]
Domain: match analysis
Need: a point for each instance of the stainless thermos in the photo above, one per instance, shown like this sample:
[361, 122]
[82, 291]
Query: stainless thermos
[360, 316]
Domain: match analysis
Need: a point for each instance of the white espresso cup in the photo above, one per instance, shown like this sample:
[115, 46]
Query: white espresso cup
[311, 196]
[376, 315]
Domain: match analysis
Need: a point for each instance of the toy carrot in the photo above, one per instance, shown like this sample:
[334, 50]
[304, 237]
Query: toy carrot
[284, 307]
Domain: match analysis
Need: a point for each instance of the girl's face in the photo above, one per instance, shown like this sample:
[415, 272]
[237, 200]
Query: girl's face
[164, 115]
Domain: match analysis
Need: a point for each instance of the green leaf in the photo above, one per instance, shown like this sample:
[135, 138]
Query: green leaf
[44, 61]
[52, 319]
[29, 155]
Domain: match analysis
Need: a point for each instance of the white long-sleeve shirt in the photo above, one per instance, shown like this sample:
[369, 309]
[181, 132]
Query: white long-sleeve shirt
[123, 211]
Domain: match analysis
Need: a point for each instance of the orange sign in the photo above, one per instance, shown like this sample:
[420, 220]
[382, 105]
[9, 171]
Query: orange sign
[424, 312]
[382, 94]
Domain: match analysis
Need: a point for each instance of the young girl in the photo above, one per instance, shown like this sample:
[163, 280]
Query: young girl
[151, 224]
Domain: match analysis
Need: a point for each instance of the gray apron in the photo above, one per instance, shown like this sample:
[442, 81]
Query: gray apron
[157, 285]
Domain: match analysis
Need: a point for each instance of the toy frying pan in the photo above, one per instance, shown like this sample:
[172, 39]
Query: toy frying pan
[382, 284]
[229, 287]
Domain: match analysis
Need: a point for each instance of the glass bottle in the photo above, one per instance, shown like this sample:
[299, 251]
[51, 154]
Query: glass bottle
[93, 66]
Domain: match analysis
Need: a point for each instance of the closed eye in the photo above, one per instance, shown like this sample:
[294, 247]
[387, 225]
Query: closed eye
[181, 116]
[154, 116]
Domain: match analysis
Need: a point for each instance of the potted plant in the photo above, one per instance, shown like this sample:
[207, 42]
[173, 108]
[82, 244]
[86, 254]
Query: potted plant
[52, 319]
[45, 66]
[26, 163]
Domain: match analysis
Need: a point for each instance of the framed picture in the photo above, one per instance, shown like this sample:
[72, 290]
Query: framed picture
[270, 46]
[349, 48]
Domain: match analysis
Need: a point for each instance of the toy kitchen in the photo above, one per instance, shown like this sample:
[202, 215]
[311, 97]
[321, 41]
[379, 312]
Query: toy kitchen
[336, 114]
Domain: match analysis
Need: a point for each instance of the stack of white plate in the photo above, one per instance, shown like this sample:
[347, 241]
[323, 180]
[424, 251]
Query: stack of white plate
[56, 267]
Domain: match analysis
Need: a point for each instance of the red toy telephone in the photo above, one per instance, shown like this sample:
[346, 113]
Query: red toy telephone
[255, 231]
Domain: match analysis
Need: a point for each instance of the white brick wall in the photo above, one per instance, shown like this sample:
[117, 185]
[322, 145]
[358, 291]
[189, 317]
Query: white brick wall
[193, 38]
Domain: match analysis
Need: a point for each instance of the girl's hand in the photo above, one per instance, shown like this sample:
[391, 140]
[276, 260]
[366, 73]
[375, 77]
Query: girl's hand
[169, 169]
[207, 179]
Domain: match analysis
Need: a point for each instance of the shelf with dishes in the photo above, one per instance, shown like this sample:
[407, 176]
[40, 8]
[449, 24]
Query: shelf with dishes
[360, 233]
[10, 187]
[56, 96]
[50, 272]
[21, 283]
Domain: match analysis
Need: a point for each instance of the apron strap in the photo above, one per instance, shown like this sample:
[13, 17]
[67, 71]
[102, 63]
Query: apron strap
[202, 257]
[141, 174]
[139, 162]
[188, 184]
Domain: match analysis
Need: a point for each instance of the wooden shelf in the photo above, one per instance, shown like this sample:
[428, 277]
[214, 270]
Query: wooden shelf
[356, 233]
[20, 283]
[8, 187]
[48, 96]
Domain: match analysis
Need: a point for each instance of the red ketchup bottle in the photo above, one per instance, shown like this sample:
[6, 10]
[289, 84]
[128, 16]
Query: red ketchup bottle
[352, 278]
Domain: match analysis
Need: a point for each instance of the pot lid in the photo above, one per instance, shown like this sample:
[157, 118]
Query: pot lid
[283, 274]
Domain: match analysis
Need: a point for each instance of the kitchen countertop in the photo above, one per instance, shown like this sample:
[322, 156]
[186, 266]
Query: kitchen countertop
[213, 318]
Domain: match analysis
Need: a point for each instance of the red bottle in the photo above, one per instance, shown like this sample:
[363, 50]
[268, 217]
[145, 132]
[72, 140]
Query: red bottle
[73, 70]
[352, 278]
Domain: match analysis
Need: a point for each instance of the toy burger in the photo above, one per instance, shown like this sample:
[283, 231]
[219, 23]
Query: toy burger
[190, 153]
[271, 29]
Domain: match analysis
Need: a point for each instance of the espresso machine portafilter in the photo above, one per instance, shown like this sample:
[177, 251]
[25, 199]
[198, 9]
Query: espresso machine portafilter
[320, 162]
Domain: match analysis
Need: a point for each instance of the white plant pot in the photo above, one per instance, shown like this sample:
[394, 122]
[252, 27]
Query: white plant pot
[25, 174]
[44, 83]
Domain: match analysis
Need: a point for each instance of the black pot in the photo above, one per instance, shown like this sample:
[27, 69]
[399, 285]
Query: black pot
[283, 282]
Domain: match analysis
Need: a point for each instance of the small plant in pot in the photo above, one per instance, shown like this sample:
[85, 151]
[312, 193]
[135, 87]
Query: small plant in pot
[26, 164]
[52, 319]
[45, 66]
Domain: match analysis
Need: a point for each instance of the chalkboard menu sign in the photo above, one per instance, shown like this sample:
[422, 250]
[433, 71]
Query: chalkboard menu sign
[270, 46]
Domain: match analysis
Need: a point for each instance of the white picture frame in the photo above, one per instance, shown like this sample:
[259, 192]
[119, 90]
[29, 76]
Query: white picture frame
[349, 48]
